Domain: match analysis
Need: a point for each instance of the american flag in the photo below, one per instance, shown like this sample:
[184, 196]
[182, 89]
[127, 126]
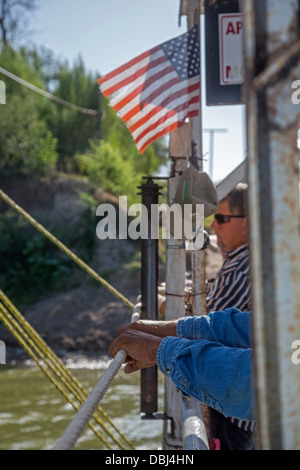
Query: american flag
[155, 92]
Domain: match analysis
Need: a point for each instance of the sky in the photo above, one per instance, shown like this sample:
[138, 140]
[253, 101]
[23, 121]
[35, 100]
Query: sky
[108, 33]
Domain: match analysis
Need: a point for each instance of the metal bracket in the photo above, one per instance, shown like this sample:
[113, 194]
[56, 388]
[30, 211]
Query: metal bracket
[156, 415]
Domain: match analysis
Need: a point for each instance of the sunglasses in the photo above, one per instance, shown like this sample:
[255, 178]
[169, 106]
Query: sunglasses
[224, 219]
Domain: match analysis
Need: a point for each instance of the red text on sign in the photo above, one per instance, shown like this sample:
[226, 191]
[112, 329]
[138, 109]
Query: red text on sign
[231, 28]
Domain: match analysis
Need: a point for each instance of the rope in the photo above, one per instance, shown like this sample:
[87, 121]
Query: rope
[65, 249]
[46, 94]
[77, 425]
[60, 376]
[24, 339]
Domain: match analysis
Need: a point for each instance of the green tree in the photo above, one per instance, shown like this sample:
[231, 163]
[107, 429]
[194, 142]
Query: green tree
[105, 166]
[114, 163]
[38, 135]
[73, 129]
[26, 142]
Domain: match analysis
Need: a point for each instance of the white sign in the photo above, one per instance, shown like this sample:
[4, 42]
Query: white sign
[231, 28]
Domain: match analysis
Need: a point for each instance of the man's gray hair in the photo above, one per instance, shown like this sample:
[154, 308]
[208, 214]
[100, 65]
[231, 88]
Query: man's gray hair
[238, 199]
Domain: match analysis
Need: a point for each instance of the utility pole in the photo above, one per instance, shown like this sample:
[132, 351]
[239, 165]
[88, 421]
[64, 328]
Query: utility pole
[211, 147]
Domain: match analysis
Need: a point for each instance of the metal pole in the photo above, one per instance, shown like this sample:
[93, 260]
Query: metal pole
[175, 283]
[149, 283]
[211, 147]
[194, 434]
[197, 256]
[272, 61]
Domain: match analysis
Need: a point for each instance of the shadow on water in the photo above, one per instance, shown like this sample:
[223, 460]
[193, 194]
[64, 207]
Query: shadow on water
[34, 414]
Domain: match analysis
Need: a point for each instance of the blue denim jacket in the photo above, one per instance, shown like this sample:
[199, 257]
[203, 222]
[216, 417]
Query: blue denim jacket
[210, 360]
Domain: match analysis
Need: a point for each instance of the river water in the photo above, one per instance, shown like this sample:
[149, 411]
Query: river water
[34, 414]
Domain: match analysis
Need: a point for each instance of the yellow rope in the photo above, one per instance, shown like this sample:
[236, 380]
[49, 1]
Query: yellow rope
[30, 340]
[42, 354]
[12, 327]
[65, 249]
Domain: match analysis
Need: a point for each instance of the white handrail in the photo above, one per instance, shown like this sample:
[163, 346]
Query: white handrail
[194, 435]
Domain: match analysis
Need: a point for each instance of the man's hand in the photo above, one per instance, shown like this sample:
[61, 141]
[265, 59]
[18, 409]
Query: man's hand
[141, 349]
[152, 327]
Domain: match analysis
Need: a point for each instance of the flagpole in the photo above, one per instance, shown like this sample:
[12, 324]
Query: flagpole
[193, 19]
[196, 153]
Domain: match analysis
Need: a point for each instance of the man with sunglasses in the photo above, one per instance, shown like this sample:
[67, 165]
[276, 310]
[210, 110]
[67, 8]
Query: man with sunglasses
[231, 288]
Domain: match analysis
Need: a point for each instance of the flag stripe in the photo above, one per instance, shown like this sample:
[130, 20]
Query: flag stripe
[154, 93]
[147, 80]
[165, 116]
[166, 90]
[106, 84]
[164, 75]
[166, 99]
[125, 67]
[166, 130]
[138, 73]
[155, 113]
[159, 134]
[180, 117]
[155, 125]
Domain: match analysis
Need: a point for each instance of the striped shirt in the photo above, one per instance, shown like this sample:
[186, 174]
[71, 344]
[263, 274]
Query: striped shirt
[231, 288]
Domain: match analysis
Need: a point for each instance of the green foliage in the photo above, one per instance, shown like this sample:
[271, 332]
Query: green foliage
[105, 166]
[39, 137]
[114, 162]
[30, 264]
[31, 149]
[116, 132]
[83, 240]
[72, 128]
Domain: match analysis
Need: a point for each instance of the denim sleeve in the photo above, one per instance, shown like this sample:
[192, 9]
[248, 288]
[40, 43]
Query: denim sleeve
[218, 376]
[229, 327]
